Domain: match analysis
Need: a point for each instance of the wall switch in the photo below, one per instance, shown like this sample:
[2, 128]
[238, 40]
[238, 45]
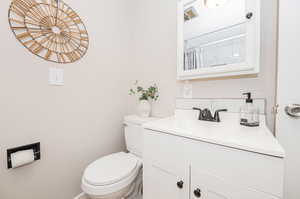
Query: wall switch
[187, 90]
[52, 76]
[60, 77]
[56, 76]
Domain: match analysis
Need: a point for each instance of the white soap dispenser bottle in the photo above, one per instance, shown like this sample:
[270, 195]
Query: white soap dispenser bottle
[249, 114]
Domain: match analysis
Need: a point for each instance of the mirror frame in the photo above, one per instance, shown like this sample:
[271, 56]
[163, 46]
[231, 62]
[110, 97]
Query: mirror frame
[253, 48]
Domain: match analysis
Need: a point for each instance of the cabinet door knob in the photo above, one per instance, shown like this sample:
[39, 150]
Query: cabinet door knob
[249, 15]
[180, 184]
[197, 193]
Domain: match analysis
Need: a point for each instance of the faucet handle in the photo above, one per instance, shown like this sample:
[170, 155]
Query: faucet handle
[200, 112]
[197, 109]
[217, 114]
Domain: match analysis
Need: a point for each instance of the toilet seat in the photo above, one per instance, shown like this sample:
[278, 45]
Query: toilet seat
[110, 173]
[110, 169]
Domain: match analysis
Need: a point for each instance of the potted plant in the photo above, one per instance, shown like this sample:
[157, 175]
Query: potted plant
[145, 96]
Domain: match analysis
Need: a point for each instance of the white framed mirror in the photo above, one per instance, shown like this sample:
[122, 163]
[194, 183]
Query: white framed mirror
[218, 38]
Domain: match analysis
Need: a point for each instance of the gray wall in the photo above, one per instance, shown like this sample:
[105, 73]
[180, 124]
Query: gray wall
[155, 58]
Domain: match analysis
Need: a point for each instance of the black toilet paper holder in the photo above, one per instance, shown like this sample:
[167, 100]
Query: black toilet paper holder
[36, 147]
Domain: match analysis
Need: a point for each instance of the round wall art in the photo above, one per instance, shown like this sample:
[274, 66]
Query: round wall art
[49, 29]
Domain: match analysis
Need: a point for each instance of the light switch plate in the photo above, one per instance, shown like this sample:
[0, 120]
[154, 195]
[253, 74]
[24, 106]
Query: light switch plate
[56, 76]
[52, 76]
[60, 77]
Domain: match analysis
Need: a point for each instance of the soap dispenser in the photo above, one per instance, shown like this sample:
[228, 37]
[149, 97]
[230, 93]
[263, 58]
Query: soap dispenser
[249, 114]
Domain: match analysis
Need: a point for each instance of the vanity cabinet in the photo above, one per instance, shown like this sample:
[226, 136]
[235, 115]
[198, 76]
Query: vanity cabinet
[182, 168]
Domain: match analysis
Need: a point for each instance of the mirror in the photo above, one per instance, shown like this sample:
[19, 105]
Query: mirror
[218, 38]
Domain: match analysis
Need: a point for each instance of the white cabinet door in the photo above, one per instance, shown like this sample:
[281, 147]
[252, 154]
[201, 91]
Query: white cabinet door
[163, 184]
[239, 167]
[165, 165]
[207, 186]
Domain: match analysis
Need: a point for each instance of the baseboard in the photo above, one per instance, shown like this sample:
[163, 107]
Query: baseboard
[81, 196]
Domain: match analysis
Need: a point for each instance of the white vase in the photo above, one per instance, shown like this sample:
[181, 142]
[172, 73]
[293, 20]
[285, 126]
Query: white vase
[144, 108]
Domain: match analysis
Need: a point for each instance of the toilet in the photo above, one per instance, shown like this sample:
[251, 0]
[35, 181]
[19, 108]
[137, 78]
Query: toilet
[118, 175]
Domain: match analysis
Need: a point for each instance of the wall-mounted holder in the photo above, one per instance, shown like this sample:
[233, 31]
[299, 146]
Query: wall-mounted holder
[35, 147]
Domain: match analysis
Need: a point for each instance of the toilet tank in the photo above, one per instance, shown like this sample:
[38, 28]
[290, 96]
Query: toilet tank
[134, 133]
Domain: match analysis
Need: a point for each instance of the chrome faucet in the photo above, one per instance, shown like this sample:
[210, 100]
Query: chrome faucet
[206, 115]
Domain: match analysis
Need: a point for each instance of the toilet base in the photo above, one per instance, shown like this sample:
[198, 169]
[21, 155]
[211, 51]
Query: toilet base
[117, 195]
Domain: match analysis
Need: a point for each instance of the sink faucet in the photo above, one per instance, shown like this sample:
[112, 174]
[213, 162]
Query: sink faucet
[206, 115]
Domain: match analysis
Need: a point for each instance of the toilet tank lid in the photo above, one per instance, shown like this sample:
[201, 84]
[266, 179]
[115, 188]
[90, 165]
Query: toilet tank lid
[135, 119]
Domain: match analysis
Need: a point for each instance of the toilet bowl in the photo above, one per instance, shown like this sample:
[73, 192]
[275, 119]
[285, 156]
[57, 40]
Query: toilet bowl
[111, 177]
[118, 175]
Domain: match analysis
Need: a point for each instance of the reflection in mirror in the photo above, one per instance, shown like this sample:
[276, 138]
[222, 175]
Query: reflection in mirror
[214, 33]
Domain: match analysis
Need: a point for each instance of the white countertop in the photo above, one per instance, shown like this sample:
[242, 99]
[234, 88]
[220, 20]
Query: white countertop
[227, 133]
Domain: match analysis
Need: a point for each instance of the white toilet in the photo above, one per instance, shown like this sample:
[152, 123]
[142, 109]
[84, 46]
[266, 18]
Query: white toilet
[117, 175]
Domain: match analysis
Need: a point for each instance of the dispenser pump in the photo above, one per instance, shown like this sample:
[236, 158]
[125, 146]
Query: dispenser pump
[249, 99]
[249, 114]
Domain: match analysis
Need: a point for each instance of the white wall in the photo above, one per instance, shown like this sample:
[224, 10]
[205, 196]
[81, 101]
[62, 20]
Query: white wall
[155, 50]
[76, 123]
[155, 57]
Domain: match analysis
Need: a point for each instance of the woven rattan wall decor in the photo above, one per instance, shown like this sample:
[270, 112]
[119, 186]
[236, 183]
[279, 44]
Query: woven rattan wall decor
[49, 29]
